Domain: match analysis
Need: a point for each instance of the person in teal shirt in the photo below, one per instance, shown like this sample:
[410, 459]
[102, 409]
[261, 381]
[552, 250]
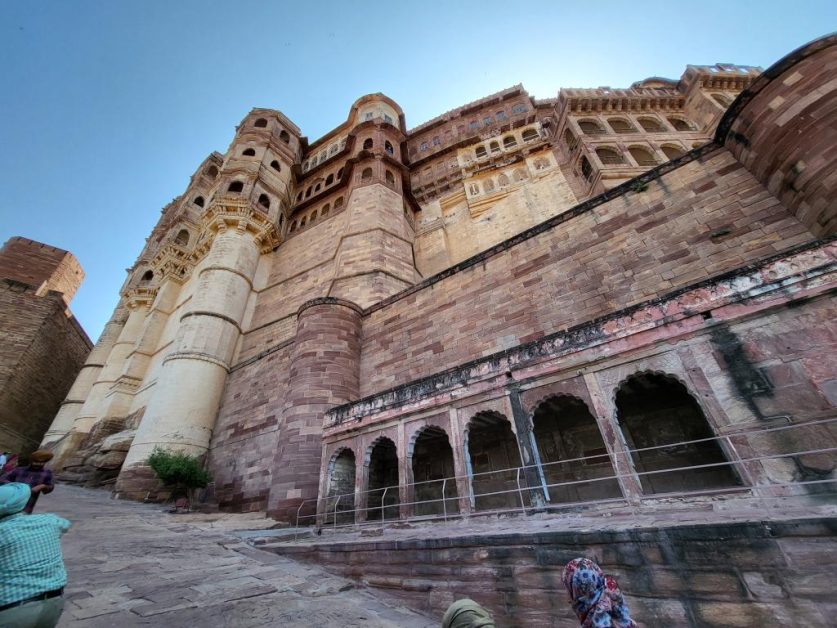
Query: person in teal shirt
[32, 573]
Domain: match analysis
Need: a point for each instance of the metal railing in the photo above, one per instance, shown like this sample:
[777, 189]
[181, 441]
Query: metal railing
[751, 480]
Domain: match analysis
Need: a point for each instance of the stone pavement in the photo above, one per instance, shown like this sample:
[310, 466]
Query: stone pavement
[132, 564]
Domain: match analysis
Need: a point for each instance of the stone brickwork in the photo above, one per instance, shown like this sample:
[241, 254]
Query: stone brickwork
[746, 574]
[43, 346]
[382, 293]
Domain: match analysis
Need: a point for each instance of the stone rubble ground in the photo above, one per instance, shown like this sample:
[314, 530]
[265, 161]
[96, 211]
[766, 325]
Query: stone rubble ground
[132, 564]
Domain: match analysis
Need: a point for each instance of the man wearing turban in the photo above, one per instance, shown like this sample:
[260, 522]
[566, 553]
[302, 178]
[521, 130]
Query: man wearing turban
[34, 475]
[32, 573]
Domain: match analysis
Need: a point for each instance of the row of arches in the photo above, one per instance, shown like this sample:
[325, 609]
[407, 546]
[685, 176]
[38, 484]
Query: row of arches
[311, 217]
[324, 155]
[509, 142]
[669, 442]
[620, 125]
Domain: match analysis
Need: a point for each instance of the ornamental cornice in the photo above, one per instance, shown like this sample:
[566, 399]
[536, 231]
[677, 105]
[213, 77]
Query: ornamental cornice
[136, 298]
[172, 261]
[235, 212]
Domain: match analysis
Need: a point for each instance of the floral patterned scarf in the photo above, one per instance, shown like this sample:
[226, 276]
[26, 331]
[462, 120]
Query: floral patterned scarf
[596, 598]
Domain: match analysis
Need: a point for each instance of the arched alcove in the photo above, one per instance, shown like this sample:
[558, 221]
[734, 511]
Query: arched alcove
[382, 482]
[494, 457]
[657, 416]
[432, 463]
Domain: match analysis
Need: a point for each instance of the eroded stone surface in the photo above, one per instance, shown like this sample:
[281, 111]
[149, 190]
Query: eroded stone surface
[131, 564]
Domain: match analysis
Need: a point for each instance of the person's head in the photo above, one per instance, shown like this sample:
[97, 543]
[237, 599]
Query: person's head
[13, 498]
[466, 613]
[584, 582]
[39, 458]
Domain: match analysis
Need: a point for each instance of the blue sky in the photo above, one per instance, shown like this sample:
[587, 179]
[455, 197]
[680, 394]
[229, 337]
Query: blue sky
[108, 107]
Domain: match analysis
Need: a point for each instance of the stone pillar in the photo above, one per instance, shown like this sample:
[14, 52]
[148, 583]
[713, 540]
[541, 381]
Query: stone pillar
[532, 472]
[181, 413]
[324, 372]
[614, 440]
[460, 467]
[61, 437]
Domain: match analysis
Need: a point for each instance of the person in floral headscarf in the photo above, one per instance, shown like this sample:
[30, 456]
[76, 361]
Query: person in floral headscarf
[595, 597]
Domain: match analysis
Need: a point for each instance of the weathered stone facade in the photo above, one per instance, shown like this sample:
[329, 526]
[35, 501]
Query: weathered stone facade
[43, 345]
[382, 306]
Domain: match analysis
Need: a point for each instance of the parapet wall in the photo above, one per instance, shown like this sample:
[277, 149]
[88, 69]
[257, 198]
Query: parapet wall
[35, 263]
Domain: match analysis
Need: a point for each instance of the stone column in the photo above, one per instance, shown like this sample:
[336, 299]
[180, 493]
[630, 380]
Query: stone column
[460, 467]
[181, 413]
[324, 373]
[61, 437]
[614, 440]
[531, 460]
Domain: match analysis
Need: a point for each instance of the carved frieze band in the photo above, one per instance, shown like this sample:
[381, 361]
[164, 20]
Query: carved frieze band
[230, 212]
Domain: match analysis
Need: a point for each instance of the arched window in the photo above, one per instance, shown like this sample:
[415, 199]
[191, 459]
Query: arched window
[474, 188]
[235, 186]
[488, 185]
[659, 417]
[334, 148]
[530, 135]
[198, 201]
[590, 127]
[570, 140]
[249, 152]
[494, 147]
[313, 216]
[264, 201]
[620, 125]
[261, 123]
[609, 156]
[383, 481]
[293, 226]
[302, 222]
[673, 152]
[494, 456]
[366, 174]
[520, 174]
[651, 125]
[338, 202]
[182, 237]
[147, 276]
[679, 124]
[541, 164]
[503, 180]
[642, 156]
[586, 168]
[329, 179]
[564, 429]
[388, 148]
[367, 143]
[326, 209]
[317, 187]
[390, 178]
[285, 137]
[212, 172]
[432, 462]
[722, 99]
[308, 191]
[481, 152]
[340, 174]
[299, 197]
[275, 165]
[509, 141]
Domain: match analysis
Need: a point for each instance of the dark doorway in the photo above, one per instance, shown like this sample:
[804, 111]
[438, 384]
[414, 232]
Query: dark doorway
[433, 471]
[657, 411]
[383, 481]
[341, 488]
[566, 431]
[494, 456]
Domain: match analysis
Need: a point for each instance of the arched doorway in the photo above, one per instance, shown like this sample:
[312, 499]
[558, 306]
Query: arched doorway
[656, 411]
[565, 430]
[432, 463]
[494, 458]
[341, 488]
[382, 486]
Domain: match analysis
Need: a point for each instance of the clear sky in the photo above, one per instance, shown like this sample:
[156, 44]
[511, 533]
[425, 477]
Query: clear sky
[107, 107]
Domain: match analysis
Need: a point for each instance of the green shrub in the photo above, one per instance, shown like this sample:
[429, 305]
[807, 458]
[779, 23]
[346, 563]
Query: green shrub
[177, 470]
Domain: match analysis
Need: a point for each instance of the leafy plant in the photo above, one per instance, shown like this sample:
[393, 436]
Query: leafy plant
[179, 471]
